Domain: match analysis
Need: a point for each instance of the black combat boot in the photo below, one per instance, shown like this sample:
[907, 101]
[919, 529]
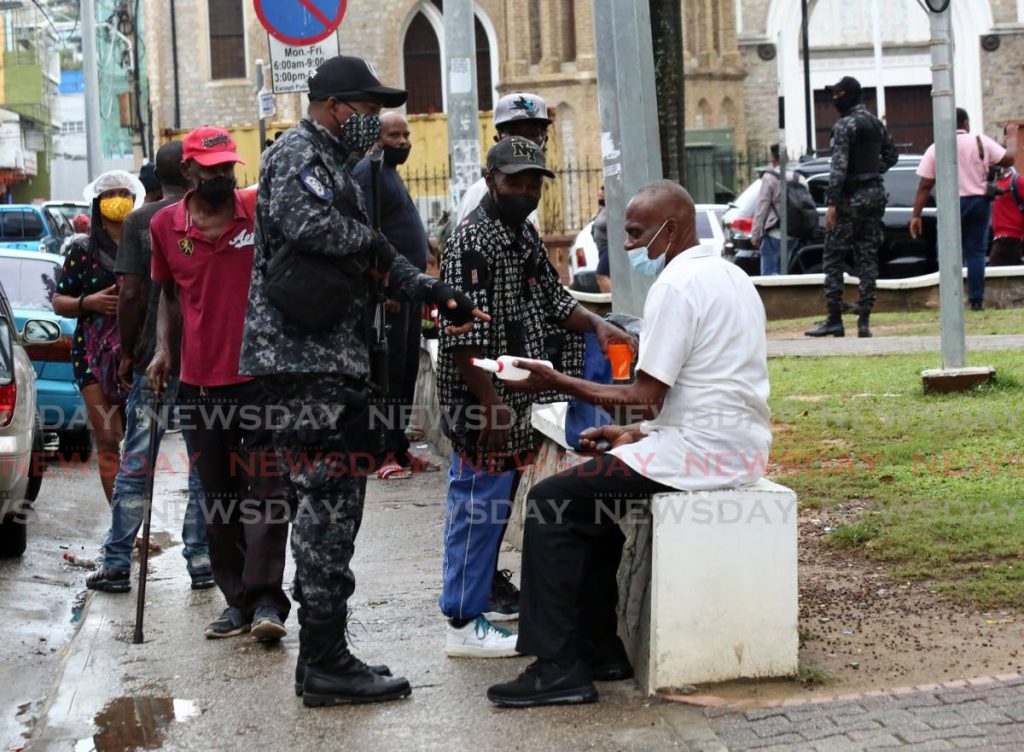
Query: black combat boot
[300, 663]
[334, 676]
[863, 327]
[830, 327]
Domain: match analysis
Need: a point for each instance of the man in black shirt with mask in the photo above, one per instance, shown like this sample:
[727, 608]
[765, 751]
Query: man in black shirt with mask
[401, 224]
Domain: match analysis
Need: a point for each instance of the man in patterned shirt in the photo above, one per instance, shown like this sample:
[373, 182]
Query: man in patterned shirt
[497, 258]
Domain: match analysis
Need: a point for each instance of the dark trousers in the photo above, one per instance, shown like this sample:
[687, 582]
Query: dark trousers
[572, 546]
[245, 505]
[975, 217]
[403, 367]
[1006, 252]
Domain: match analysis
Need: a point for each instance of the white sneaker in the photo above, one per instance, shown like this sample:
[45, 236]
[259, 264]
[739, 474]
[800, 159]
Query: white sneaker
[480, 639]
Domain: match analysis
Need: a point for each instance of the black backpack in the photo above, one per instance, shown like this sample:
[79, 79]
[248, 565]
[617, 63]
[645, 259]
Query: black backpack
[801, 211]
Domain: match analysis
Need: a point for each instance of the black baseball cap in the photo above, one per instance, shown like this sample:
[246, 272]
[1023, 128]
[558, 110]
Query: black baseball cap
[517, 154]
[352, 78]
[849, 84]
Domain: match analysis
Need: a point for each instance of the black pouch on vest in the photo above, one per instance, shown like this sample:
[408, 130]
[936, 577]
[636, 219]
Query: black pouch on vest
[314, 293]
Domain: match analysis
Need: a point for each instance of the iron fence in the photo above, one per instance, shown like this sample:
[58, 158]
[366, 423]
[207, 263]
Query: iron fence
[569, 201]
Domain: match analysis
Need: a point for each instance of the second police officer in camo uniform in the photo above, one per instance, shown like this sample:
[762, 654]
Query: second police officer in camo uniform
[862, 151]
[309, 205]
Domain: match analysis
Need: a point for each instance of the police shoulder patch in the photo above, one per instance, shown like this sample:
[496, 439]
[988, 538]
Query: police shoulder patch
[316, 180]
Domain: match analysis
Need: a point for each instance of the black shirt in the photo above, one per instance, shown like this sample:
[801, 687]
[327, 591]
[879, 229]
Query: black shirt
[399, 220]
[135, 256]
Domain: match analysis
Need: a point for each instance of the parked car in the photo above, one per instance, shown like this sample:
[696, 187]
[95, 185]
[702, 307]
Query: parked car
[68, 209]
[26, 227]
[583, 253]
[21, 438]
[899, 255]
[30, 280]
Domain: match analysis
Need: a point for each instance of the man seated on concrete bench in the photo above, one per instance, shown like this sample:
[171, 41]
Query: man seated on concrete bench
[702, 386]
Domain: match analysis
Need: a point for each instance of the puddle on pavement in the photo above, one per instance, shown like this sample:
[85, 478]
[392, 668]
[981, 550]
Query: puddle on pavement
[130, 723]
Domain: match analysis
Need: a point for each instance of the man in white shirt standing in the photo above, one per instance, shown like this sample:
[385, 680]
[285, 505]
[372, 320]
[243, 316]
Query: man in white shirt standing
[702, 385]
[519, 114]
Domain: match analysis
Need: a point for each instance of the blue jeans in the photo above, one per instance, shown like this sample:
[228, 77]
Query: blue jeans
[128, 501]
[771, 255]
[478, 505]
[975, 217]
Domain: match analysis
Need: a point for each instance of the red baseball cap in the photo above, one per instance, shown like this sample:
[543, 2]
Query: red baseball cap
[210, 146]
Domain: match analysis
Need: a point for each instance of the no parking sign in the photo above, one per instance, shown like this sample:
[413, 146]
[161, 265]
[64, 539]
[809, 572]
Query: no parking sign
[302, 36]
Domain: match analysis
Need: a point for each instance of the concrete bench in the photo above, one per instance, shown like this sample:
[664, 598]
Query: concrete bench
[708, 582]
[708, 587]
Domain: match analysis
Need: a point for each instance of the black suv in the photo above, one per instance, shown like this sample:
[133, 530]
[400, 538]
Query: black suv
[899, 256]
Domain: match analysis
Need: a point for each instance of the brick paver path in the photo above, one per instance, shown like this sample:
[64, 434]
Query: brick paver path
[982, 714]
[813, 347]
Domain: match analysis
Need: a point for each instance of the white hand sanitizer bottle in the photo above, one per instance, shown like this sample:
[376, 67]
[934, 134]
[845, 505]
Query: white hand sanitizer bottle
[503, 368]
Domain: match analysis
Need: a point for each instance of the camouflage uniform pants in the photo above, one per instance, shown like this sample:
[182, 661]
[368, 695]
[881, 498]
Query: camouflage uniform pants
[857, 234]
[315, 444]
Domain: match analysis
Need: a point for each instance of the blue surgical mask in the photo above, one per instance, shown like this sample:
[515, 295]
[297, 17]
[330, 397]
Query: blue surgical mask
[640, 258]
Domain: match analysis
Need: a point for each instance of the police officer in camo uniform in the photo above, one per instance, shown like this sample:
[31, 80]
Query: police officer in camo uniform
[309, 205]
[862, 151]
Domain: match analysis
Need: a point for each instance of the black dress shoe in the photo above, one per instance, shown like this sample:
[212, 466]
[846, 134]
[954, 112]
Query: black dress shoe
[202, 580]
[608, 661]
[109, 581]
[546, 683]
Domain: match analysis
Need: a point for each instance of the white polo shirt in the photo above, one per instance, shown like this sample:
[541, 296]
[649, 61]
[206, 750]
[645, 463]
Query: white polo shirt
[704, 336]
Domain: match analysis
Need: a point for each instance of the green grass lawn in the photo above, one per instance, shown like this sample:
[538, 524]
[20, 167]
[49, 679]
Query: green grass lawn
[938, 480]
[1005, 321]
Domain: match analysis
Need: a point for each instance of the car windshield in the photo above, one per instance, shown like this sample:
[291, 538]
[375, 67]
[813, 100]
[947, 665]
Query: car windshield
[29, 283]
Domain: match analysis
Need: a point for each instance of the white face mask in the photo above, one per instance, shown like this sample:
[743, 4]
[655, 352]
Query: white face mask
[640, 258]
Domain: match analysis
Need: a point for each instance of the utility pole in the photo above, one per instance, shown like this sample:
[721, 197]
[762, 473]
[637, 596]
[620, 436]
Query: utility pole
[463, 105]
[808, 91]
[91, 79]
[627, 98]
[953, 376]
[667, 36]
[948, 196]
[876, 28]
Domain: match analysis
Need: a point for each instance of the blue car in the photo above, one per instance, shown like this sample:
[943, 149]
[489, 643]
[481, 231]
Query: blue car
[30, 279]
[27, 227]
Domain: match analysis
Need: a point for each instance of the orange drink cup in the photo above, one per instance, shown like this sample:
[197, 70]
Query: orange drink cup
[621, 359]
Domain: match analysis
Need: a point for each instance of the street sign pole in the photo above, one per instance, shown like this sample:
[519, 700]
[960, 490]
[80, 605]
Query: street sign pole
[260, 90]
[462, 104]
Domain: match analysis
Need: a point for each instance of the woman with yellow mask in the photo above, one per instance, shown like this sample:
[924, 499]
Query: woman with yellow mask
[88, 291]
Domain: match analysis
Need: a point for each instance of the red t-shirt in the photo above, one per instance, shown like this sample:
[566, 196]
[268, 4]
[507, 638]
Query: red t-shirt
[213, 287]
[1007, 218]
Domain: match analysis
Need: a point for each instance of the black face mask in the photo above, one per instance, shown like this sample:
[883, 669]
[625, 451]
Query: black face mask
[217, 191]
[845, 103]
[396, 155]
[514, 209]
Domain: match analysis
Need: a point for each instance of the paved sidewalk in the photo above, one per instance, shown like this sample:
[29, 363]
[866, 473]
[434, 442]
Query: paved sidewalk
[236, 694]
[823, 346]
[984, 714]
